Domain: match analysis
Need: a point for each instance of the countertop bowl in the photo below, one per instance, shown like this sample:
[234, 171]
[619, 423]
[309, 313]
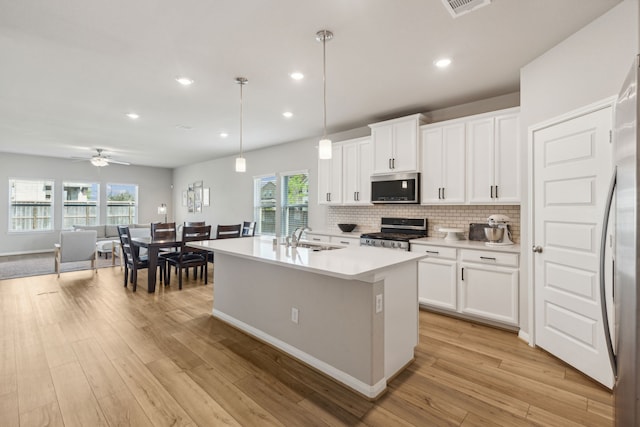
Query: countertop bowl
[347, 227]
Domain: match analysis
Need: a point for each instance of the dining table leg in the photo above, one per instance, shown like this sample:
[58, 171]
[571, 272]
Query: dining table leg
[153, 263]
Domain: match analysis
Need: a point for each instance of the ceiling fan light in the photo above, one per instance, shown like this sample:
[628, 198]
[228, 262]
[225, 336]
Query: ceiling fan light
[241, 164]
[324, 149]
[99, 162]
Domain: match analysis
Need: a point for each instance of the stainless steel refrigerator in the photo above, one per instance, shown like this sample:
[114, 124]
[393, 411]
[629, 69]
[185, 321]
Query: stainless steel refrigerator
[624, 348]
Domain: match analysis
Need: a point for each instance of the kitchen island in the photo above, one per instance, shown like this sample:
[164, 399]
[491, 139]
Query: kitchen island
[349, 312]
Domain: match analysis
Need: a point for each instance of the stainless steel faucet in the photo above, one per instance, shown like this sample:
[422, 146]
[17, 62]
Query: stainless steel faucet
[296, 239]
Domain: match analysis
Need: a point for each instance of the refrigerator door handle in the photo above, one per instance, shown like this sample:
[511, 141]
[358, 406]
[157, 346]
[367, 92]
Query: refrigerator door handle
[603, 296]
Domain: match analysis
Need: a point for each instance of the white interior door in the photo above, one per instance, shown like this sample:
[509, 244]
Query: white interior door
[572, 168]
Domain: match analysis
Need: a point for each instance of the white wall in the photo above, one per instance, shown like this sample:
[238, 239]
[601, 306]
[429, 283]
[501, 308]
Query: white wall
[154, 188]
[587, 67]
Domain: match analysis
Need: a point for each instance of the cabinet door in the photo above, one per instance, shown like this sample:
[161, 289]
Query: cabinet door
[365, 162]
[480, 160]
[405, 146]
[507, 159]
[382, 137]
[453, 163]
[330, 178]
[431, 166]
[489, 292]
[350, 178]
[437, 283]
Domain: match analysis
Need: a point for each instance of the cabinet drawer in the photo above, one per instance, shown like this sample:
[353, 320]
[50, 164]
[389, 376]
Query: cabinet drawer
[318, 238]
[352, 241]
[489, 257]
[434, 251]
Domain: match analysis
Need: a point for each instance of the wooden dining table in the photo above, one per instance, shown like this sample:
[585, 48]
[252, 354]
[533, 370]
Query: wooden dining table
[153, 248]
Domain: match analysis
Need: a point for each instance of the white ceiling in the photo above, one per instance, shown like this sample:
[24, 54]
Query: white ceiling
[71, 69]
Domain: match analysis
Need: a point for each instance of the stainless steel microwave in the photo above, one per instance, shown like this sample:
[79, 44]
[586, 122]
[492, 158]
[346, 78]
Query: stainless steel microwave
[396, 188]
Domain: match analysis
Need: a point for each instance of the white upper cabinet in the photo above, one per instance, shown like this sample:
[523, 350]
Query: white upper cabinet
[395, 145]
[330, 178]
[357, 160]
[493, 158]
[443, 164]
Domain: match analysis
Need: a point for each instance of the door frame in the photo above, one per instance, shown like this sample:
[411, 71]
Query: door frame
[596, 106]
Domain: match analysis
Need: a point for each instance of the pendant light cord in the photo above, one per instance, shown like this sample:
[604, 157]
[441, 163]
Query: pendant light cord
[324, 82]
[241, 84]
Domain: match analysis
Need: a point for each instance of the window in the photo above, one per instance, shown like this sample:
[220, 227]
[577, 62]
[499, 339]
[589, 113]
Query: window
[264, 204]
[80, 204]
[122, 202]
[295, 201]
[31, 205]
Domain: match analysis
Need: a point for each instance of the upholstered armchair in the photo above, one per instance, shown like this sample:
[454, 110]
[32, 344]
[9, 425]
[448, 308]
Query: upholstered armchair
[76, 246]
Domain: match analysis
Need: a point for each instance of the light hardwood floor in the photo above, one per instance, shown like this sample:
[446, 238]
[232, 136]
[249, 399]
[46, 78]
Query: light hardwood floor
[84, 351]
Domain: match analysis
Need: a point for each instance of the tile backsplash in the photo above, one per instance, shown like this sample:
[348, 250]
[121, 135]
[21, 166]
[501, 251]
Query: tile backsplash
[454, 216]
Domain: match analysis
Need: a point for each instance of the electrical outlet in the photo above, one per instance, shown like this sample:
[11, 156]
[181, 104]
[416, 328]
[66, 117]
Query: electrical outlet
[379, 303]
[294, 315]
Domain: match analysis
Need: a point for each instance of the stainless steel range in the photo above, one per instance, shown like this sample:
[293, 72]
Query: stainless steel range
[395, 233]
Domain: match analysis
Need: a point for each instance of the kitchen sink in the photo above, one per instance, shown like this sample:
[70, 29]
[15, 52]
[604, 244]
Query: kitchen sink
[317, 246]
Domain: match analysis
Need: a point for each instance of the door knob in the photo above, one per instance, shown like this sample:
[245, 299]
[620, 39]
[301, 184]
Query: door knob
[537, 249]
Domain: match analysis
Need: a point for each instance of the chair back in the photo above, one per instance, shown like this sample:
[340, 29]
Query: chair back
[228, 231]
[163, 231]
[77, 245]
[195, 233]
[193, 223]
[129, 251]
[248, 229]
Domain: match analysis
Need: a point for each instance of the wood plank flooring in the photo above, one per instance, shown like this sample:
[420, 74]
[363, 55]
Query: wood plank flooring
[83, 350]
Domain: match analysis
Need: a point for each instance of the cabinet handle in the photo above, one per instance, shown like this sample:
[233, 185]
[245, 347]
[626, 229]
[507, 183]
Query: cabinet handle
[488, 258]
[443, 194]
[390, 167]
[393, 163]
[496, 191]
[343, 242]
[492, 191]
[315, 239]
[462, 273]
[432, 252]
[439, 193]
[355, 196]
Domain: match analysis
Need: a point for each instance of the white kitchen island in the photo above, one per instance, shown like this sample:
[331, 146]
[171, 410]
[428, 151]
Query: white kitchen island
[351, 313]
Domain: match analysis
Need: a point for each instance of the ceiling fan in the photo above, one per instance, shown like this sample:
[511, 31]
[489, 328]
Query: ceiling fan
[101, 159]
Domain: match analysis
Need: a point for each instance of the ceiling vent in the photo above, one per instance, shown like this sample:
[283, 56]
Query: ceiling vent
[460, 7]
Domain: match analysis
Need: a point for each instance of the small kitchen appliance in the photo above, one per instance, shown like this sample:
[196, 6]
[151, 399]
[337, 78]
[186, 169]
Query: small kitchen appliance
[498, 232]
[395, 233]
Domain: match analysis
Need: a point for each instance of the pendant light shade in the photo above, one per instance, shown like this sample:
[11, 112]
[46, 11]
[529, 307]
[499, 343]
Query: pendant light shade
[324, 146]
[241, 162]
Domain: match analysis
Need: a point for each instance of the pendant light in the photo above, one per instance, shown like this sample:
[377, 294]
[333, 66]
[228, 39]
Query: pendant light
[324, 146]
[241, 163]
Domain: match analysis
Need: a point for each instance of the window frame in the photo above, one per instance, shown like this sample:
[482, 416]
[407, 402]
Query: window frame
[258, 206]
[96, 205]
[136, 203]
[52, 205]
[284, 206]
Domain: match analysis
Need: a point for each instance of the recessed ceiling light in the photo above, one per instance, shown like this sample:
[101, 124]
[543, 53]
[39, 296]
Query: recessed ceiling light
[223, 134]
[443, 63]
[297, 76]
[184, 81]
[133, 116]
[287, 114]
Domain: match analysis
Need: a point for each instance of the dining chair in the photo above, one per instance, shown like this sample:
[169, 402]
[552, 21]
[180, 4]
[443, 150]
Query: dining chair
[248, 228]
[228, 231]
[131, 258]
[76, 246]
[190, 257]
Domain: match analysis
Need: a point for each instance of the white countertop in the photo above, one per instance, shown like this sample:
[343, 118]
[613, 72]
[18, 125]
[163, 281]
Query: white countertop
[465, 244]
[349, 262]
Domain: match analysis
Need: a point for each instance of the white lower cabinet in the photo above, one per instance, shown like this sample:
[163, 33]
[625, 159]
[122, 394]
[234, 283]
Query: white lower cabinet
[477, 284]
[489, 292]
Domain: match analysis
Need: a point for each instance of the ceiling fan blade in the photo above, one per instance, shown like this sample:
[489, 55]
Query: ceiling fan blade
[118, 162]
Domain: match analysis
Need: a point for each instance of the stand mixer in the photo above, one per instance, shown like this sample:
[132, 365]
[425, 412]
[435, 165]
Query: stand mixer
[498, 233]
